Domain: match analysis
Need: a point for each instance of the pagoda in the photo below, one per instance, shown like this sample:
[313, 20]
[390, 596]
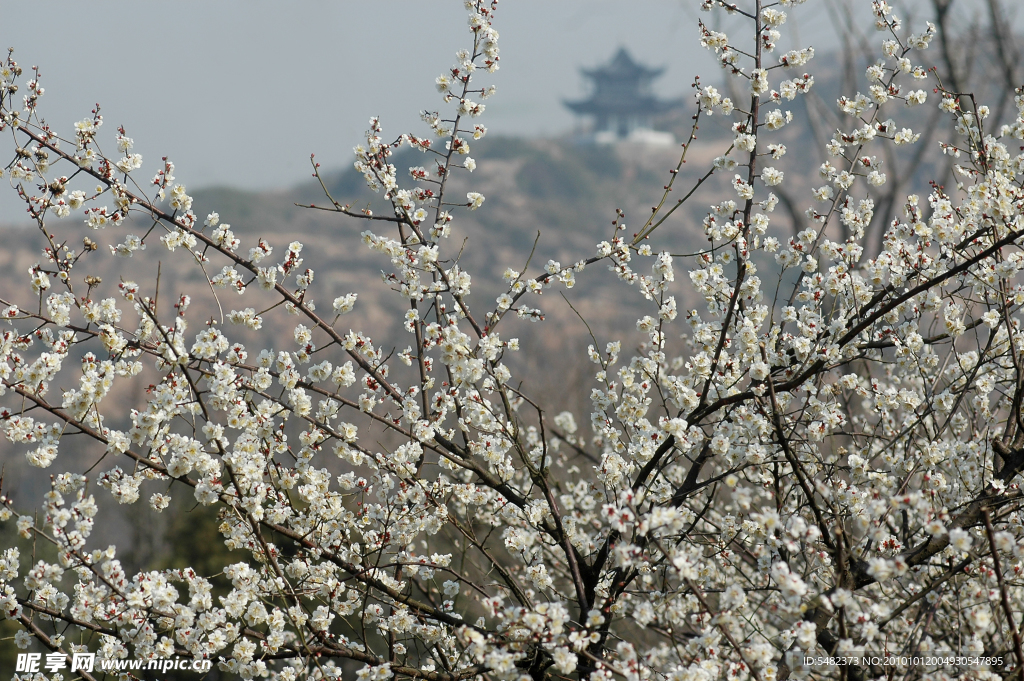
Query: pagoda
[621, 102]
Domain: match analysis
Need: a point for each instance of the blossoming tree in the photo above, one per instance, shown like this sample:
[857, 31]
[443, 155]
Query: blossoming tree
[826, 462]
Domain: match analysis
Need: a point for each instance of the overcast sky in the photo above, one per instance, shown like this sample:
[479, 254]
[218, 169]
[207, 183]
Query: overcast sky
[240, 93]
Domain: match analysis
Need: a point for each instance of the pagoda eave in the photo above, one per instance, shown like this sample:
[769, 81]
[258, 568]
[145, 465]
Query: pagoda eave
[628, 107]
[630, 72]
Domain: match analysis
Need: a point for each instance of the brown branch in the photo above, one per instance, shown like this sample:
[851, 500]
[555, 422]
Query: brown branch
[1004, 596]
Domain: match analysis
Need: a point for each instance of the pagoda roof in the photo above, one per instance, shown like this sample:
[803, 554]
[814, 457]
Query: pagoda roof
[623, 66]
[625, 105]
[622, 88]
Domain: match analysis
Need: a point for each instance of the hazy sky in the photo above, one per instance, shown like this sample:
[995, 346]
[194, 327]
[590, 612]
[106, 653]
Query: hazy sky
[240, 93]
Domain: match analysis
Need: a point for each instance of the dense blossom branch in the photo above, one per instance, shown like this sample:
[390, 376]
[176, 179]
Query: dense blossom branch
[817, 429]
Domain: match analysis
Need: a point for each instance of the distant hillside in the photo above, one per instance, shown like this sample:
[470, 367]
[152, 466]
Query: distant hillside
[565, 192]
